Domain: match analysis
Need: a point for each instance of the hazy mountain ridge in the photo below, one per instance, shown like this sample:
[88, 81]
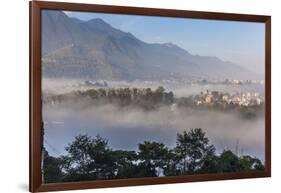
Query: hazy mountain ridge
[93, 49]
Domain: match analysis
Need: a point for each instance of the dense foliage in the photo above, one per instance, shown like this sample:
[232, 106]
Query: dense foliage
[145, 98]
[152, 99]
[91, 158]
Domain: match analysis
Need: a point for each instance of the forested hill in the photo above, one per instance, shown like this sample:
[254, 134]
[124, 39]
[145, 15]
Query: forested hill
[93, 49]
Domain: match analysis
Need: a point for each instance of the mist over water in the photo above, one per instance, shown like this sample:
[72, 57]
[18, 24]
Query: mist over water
[125, 128]
[180, 89]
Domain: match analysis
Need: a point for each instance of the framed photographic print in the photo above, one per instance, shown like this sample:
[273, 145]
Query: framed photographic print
[123, 96]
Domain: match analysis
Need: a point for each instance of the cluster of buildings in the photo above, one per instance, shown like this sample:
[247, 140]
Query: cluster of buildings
[233, 81]
[240, 99]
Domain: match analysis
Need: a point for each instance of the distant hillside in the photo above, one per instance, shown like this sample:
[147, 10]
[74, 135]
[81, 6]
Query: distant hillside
[93, 49]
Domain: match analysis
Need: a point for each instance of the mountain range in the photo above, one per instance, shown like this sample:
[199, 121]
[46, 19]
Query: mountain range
[72, 48]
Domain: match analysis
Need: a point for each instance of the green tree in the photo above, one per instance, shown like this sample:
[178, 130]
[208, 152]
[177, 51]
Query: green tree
[250, 163]
[160, 89]
[228, 162]
[125, 167]
[193, 149]
[102, 92]
[169, 97]
[89, 159]
[52, 168]
[209, 164]
[153, 156]
[94, 94]
[159, 94]
[172, 168]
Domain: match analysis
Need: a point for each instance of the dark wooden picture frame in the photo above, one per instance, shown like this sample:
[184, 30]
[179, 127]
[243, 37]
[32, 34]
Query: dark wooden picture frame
[36, 184]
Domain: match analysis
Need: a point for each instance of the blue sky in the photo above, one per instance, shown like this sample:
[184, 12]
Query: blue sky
[238, 42]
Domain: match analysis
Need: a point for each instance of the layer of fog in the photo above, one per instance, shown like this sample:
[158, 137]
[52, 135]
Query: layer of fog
[125, 128]
[179, 88]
